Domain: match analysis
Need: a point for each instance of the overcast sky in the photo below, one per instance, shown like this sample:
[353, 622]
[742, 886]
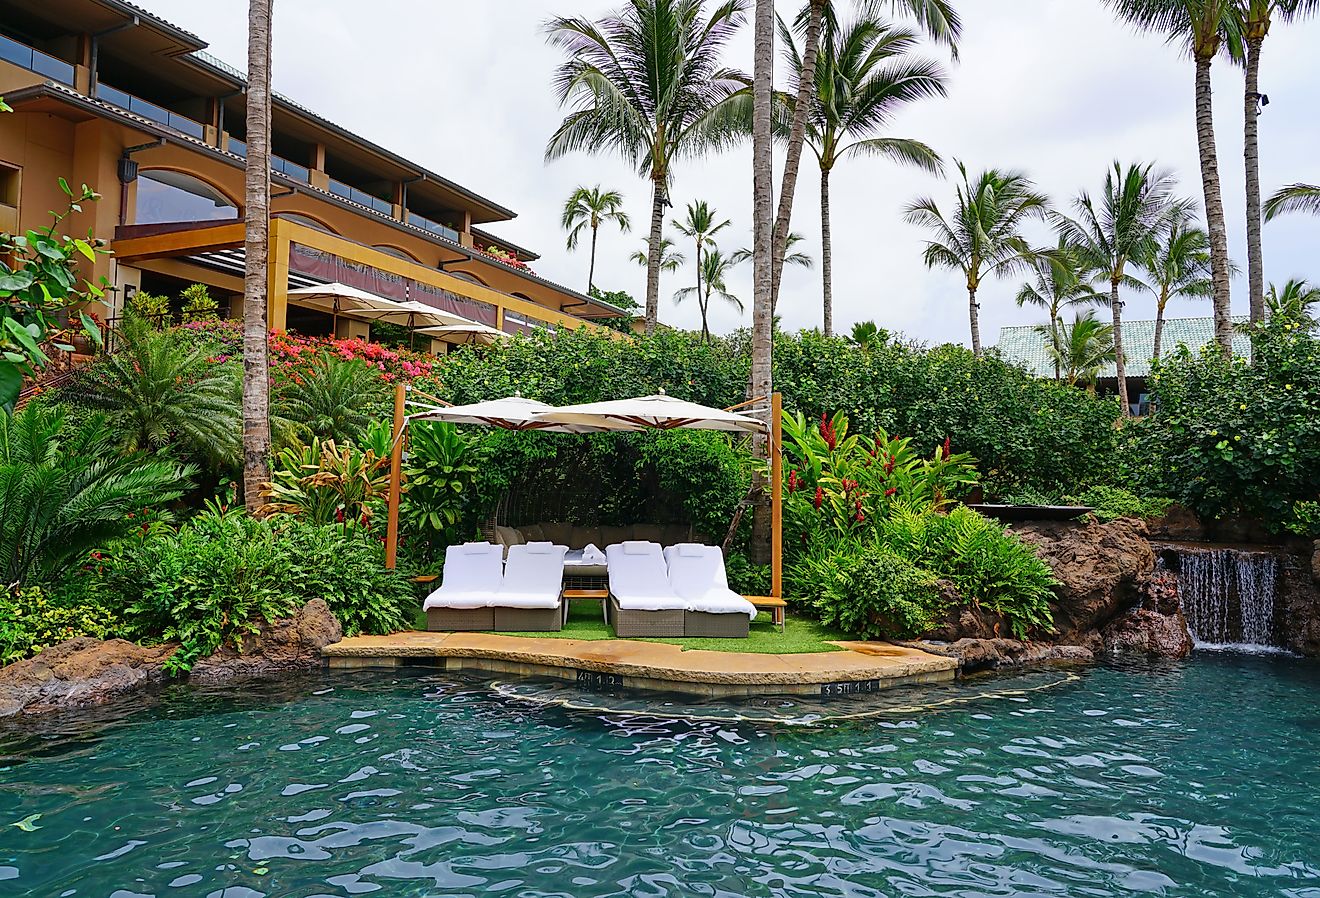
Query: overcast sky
[1056, 88]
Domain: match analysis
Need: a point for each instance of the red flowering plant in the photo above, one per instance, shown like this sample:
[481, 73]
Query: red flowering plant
[844, 482]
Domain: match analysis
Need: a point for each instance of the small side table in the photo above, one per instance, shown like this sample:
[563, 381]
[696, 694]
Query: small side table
[599, 595]
[774, 604]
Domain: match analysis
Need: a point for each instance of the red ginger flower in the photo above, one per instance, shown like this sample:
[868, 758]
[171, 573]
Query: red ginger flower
[946, 452]
[827, 432]
[820, 496]
[891, 491]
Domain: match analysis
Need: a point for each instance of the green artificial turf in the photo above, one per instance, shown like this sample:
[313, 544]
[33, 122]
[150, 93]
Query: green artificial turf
[801, 635]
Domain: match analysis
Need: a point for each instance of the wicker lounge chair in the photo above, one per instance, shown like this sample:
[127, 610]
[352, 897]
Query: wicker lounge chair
[473, 574]
[641, 601]
[529, 598]
[696, 574]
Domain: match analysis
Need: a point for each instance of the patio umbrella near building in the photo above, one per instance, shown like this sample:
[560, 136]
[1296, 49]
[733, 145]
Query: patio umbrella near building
[341, 299]
[510, 413]
[661, 412]
[465, 333]
[415, 315]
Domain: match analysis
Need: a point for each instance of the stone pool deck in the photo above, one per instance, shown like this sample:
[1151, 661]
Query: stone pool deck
[861, 667]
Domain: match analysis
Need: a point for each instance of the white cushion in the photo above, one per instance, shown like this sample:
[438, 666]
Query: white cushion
[534, 574]
[697, 575]
[638, 578]
[473, 573]
[525, 600]
[540, 548]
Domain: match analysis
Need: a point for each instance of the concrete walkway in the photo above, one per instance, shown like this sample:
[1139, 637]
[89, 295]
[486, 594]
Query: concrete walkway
[864, 667]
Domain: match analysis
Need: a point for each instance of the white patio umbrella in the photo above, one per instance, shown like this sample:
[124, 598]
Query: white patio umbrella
[510, 413]
[413, 314]
[660, 412]
[341, 299]
[464, 333]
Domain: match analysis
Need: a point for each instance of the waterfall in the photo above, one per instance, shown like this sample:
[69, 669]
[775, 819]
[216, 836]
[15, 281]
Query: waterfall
[1228, 597]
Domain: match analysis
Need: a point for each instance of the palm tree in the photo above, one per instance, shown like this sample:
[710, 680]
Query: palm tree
[256, 246]
[937, 18]
[863, 77]
[671, 260]
[65, 490]
[797, 259]
[1304, 198]
[1178, 265]
[335, 400]
[647, 83]
[866, 335]
[1058, 282]
[1256, 17]
[1209, 27]
[1081, 349]
[983, 238]
[1135, 205]
[1293, 301]
[160, 391]
[590, 207]
[761, 383]
[715, 268]
[700, 227]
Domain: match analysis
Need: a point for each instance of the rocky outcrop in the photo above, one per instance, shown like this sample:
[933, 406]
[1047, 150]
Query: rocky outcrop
[1102, 570]
[79, 673]
[1297, 604]
[83, 672]
[1156, 628]
[975, 654]
[288, 645]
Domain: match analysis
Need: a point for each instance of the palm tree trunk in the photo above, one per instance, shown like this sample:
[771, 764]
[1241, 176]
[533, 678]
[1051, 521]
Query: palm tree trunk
[1214, 209]
[256, 244]
[653, 252]
[826, 253]
[1119, 362]
[1054, 338]
[974, 313]
[591, 271]
[796, 138]
[1251, 141]
[705, 316]
[1159, 323]
[763, 62]
[697, 254]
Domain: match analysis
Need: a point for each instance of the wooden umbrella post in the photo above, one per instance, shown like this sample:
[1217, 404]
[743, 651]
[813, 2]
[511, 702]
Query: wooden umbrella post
[396, 477]
[776, 496]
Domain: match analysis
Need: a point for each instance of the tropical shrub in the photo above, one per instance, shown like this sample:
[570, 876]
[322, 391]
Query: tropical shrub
[871, 592]
[333, 398]
[1109, 503]
[30, 621]
[291, 354]
[198, 304]
[215, 579]
[64, 490]
[1232, 437]
[39, 286]
[439, 503]
[159, 391]
[149, 308]
[326, 483]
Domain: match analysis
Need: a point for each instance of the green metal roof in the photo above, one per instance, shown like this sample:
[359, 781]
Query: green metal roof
[1023, 345]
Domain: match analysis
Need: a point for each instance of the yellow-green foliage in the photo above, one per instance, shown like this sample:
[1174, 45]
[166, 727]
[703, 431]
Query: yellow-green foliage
[30, 621]
[198, 304]
[153, 309]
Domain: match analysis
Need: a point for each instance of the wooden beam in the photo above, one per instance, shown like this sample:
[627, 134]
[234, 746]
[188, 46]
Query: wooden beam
[179, 243]
[396, 484]
[776, 496]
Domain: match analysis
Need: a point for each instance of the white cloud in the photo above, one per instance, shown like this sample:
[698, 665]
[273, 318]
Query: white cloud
[1054, 87]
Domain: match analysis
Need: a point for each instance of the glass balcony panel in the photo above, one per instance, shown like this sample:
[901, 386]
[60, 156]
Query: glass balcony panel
[149, 111]
[36, 61]
[237, 147]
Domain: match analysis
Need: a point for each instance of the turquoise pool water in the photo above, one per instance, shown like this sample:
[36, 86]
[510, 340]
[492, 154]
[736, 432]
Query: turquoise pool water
[1195, 779]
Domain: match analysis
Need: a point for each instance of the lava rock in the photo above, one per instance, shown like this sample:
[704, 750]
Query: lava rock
[1150, 633]
[1102, 570]
[994, 654]
[287, 645]
[79, 673]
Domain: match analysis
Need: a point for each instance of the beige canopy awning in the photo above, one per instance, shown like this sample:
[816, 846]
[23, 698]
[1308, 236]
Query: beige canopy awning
[510, 413]
[465, 333]
[341, 300]
[660, 412]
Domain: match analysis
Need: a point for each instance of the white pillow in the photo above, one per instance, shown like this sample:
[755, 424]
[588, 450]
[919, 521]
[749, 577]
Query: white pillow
[475, 548]
[691, 550]
[540, 548]
[636, 547]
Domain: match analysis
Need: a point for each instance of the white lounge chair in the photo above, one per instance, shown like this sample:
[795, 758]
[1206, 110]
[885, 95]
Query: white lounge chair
[473, 574]
[641, 600]
[529, 598]
[697, 575]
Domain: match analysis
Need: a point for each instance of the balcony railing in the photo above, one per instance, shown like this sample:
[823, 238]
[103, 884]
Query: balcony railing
[433, 227]
[300, 173]
[361, 197]
[151, 111]
[36, 61]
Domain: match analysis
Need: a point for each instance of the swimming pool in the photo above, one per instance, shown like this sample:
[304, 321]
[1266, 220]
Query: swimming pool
[1198, 778]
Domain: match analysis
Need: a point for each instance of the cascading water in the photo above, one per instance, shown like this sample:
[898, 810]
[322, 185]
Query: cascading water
[1228, 597]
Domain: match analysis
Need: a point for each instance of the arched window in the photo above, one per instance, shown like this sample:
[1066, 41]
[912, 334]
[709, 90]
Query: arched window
[395, 252]
[306, 221]
[170, 196]
[467, 276]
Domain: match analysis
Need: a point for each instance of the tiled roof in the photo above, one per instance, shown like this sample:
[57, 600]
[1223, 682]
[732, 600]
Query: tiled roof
[133, 9]
[1025, 346]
